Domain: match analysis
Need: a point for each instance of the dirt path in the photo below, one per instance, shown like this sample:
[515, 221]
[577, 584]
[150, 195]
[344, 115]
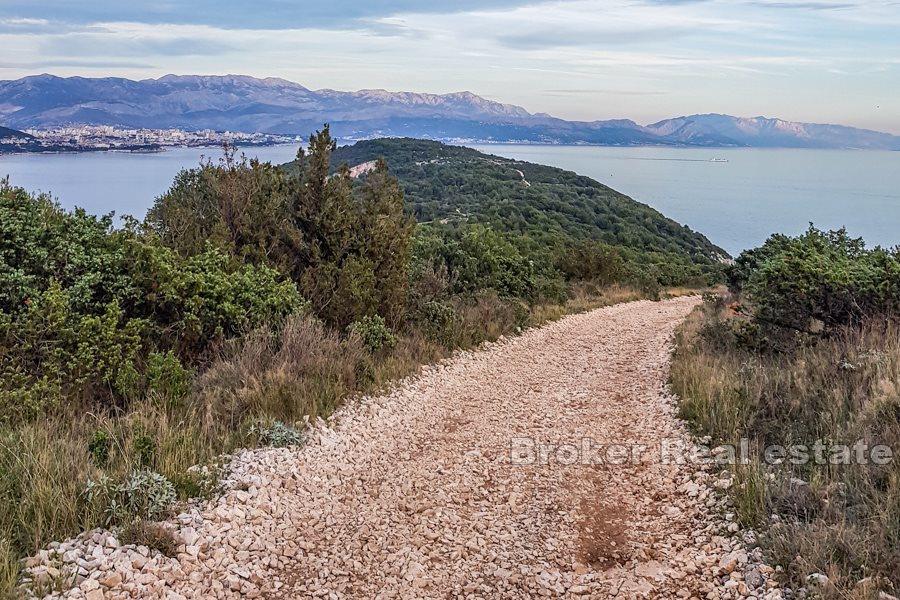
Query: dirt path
[522, 175]
[417, 494]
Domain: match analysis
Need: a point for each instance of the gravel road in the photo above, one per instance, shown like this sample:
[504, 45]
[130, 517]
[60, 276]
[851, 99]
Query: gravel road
[448, 487]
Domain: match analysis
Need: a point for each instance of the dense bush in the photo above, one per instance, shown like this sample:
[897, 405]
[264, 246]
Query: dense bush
[437, 320]
[816, 283]
[166, 377]
[40, 244]
[473, 258]
[592, 261]
[85, 309]
[51, 353]
[345, 248]
[374, 333]
[236, 205]
[196, 301]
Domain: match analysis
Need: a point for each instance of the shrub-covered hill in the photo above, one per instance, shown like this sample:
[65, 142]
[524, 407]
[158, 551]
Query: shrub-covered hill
[449, 183]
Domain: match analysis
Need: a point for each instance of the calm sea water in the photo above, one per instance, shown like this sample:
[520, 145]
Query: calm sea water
[758, 192]
[737, 204]
[120, 182]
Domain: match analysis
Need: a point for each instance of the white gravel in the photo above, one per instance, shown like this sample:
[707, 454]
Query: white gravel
[414, 495]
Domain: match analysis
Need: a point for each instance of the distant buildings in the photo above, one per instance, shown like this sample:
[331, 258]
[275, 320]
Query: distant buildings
[107, 137]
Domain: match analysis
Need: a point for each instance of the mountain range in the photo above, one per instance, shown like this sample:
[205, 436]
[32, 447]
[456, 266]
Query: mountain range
[247, 104]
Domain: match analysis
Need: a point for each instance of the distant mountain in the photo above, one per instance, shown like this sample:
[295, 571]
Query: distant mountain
[246, 104]
[769, 133]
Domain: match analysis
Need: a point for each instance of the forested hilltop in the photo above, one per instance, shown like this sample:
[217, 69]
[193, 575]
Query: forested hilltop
[550, 209]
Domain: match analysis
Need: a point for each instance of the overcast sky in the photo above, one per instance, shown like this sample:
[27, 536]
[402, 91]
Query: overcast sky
[822, 60]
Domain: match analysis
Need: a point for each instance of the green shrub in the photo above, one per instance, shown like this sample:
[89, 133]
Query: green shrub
[277, 435]
[143, 446]
[592, 261]
[521, 314]
[202, 299]
[438, 321]
[99, 447]
[50, 352]
[475, 257]
[550, 288]
[84, 309]
[374, 333]
[815, 284]
[41, 243]
[142, 495]
[167, 377]
[344, 246]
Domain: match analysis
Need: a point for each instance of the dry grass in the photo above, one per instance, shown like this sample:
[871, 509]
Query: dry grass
[582, 298]
[846, 522]
[152, 535]
[300, 370]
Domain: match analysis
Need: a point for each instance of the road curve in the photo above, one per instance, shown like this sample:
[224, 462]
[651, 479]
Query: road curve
[488, 476]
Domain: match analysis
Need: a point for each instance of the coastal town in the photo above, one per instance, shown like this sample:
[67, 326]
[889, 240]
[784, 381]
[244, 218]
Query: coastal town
[79, 138]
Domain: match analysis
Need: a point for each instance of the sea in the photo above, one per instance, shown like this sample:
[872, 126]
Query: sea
[736, 197]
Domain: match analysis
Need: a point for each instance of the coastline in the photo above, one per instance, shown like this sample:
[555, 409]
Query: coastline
[159, 149]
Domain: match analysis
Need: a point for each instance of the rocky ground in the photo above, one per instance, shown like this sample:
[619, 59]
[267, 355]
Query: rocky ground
[446, 488]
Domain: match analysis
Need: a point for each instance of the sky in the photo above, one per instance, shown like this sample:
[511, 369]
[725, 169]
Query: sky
[826, 61]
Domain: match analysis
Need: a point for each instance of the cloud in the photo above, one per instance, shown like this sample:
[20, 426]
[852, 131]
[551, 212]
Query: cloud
[136, 40]
[805, 5]
[23, 25]
[63, 63]
[558, 37]
[264, 14]
[603, 92]
[24, 22]
[111, 45]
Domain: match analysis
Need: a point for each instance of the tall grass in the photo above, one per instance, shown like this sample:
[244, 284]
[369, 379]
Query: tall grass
[301, 369]
[839, 520]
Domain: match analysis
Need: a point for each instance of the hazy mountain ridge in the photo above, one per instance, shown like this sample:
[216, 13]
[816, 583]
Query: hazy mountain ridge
[272, 105]
[774, 133]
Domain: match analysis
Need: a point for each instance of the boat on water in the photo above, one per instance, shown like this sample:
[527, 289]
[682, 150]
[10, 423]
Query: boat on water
[723, 160]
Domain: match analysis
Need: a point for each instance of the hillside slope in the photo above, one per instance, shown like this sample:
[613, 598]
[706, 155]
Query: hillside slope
[12, 140]
[7, 133]
[450, 183]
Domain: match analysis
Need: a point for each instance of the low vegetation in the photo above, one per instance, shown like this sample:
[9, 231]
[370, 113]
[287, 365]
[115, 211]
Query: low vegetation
[251, 300]
[806, 347]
